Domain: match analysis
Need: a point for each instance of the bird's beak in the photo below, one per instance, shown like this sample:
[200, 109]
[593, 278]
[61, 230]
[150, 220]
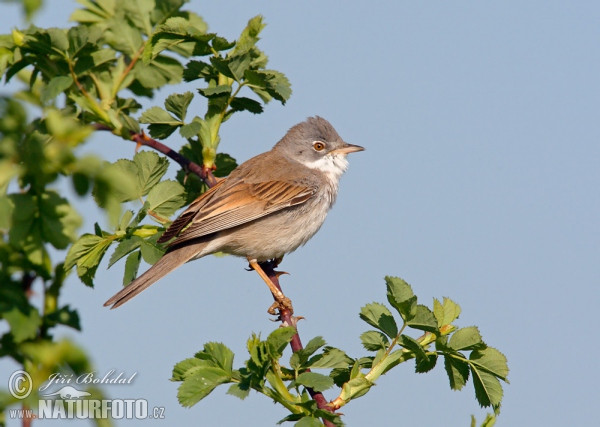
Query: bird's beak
[348, 148]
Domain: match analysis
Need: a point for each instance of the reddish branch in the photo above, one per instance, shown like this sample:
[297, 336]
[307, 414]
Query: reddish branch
[207, 176]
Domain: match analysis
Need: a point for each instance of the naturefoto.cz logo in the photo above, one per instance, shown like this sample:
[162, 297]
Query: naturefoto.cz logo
[69, 401]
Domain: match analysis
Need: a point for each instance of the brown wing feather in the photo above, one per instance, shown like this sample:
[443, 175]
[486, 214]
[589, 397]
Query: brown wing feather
[188, 215]
[239, 203]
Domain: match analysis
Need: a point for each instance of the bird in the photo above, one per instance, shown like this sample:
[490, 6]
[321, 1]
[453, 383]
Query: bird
[266, 208]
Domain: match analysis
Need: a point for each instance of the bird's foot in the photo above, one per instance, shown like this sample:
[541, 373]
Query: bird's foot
[280, 305]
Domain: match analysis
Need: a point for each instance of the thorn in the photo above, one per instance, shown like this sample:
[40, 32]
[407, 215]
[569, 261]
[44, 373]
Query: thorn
[280, 273]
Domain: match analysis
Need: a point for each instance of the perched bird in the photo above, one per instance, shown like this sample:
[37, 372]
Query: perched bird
[266, 208]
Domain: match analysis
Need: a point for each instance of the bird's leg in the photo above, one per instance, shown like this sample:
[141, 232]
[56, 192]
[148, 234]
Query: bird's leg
[281, 301]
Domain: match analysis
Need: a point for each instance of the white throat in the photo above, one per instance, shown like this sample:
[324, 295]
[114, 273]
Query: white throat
[332, 165]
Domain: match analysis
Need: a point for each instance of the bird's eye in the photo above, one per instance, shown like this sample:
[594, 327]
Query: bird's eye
[318, 145]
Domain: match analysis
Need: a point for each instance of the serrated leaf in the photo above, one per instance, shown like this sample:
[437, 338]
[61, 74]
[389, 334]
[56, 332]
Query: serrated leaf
[299, 358]
[215, 91]
[412, 345]
[271, 82]
[446, 312]
[188, 366]
[491, 360]
[239, 392]
[87, 251]
[466, 339]
[424, 320]
[151, 252]
[55, 87]
[426, 364]
[374, 341]
[378, 316]
[488, 390]
[221, 355]
[309, 422]
[125, 247]
[318, 382]
[162, 124]
[247, 104]
[64, 316]
[132, 265]
[23, 324]
[457, 370]
[178, 104]
[249, 36]
[279, 339]
[151, 168]
[166, 197]
[225, 165]
[190, 130]
[330, 358]
[59, 220]
[199, 385]
[400, 295]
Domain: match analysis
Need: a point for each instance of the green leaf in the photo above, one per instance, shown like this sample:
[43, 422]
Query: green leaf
[330, 358]
[55, 87]
[374, 341]
[309, 422]
[122, 36]
[166, 197]
[221, 355]
[187, 367]
[426, 364]
[225, 165]
[23, 324]
[466, 339]
[249, 36]
[424, 320]
[355, 388]
[490, 360]
[190, 130]
[151, 252]
[151, 168]
[126, 246]
[488, 390]
[300, 357]
[412, 345]
[59, 220]
[178, 104]
[378, 315]
[86, 253]
[215, 91]
[457, 369]
[64, 316]
[279, 339]
[446, 312]
[200, 384]
[317, 382]
[199, 70]
[247, 104]
[269, 84]
[233, 66]
[162, 124]
[400, 295]
[132, 265]
[239, 392]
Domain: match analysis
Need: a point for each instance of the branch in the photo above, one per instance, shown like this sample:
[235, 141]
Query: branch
[142, 139]
[287, 319]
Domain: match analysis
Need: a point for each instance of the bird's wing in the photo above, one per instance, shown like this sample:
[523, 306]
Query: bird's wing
[188, 215]
[236, 204]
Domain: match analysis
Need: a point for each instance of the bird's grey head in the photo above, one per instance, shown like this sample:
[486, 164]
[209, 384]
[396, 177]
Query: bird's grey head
[317, 145]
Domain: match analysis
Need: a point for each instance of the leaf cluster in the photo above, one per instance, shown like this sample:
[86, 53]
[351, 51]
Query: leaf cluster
[462, 349]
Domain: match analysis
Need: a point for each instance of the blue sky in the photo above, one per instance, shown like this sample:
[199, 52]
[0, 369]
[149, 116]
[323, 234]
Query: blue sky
[479, 182]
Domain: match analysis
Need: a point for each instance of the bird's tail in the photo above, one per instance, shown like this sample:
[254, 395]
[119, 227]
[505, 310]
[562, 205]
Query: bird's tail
[169, 262]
